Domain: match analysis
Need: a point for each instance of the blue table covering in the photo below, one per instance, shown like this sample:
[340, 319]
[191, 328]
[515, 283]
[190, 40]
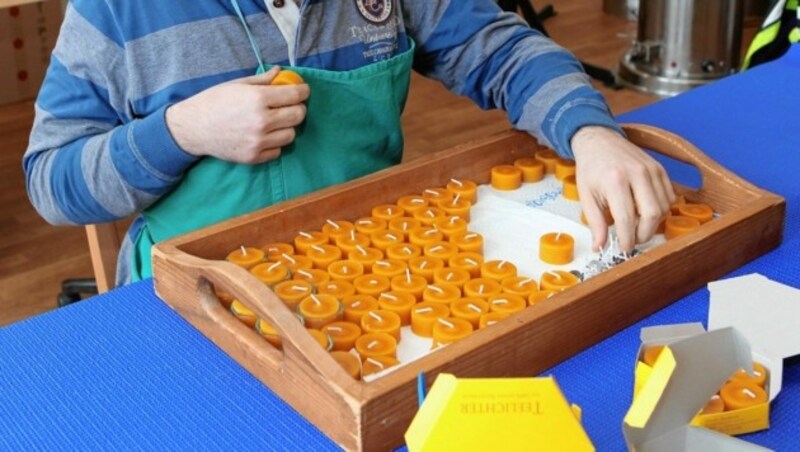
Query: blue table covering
[123, 371]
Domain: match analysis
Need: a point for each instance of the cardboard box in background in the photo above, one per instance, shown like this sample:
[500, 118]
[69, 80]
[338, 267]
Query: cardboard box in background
[28, 34]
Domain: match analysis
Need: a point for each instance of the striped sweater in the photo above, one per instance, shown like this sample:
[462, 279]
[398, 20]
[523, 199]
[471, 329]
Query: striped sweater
[100, 149]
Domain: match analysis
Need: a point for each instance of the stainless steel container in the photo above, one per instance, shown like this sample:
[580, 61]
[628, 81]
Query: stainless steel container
[682, 44]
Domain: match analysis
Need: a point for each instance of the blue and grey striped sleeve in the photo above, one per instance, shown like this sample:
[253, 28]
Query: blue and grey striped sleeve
[494, 58]
[89, 161]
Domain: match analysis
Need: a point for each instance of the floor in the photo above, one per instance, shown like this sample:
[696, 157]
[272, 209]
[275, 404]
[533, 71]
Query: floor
[35, 257]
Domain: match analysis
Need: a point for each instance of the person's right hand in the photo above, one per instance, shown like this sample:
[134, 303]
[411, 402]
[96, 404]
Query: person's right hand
[243, 121]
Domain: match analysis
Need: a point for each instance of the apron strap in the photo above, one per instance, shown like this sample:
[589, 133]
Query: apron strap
[253, 44]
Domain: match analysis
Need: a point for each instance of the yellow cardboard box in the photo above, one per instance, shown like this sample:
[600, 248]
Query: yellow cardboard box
[28, 35]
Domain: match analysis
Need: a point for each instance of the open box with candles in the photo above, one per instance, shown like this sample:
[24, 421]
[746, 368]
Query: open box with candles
[372, 415]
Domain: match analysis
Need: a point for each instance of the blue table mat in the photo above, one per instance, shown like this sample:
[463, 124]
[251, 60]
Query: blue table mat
[123, 371]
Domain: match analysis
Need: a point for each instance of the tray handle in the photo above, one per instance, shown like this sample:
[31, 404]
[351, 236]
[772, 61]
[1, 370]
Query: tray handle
[297, 344]
[715, 178]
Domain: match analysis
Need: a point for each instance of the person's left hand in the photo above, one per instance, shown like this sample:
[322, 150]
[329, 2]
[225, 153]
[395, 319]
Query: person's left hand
[616, 174]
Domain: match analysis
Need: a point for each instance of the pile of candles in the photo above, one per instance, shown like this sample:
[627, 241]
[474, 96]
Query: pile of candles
[415, 263]
[742, 390]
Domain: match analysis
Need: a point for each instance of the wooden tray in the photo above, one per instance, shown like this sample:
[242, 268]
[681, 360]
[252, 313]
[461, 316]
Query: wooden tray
[374, 416]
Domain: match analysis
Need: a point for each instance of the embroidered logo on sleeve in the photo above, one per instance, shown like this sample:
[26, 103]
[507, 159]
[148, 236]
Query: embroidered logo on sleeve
[375, 11]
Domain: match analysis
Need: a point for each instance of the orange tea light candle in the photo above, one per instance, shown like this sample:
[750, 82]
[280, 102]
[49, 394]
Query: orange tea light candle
[520, 285]
[564, 168]
[323, 255]
[322, 339]
[425, 315]
[271, 273]
[387, 212]
[366, 256]
[437, 196]
[338, 288]
[305, 240]
[506, 177]
[398, 302]
[482, 288]
[491, 318]
[759, 376]
[441, 293]
[269, 333]
[384, 239]
[507, 303]
[471, 262]
[549, 158]
[403, 251]
[569, 188]
[450, 225]
[343, 334]
[408, 283]
[498, 270]
[558, 280]
[243, 313]
[449, 330]
[425, 235]
[468, 241]
[676, 226]
[457, 207]
[557, 248]
[372, 284]
[296, 262]
[651, 354]
[336, 229]
[246, 257]
[293, 292]
[532, 169]
[376, 345]
[274, 250]
[349, 362]
[368, 225]
[428, 215]
[390, 267]
[469, 309]
[357, 306]
[412, 203]
[440, 250]
[313, 276]
[352, 241]
[377, 364]
[381, 321]
[714, 405]
[538, 297]
[425, 266]
[403, 226]
[701, 212]
[467, 189]
[345, 270]
[741, 394]
[320, 310]
[455, 276]
[679, 201]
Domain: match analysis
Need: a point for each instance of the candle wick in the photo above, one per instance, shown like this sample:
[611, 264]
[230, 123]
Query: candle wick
[423, 265]
[432, 192]
[389, 296]
[407, 250]
[356, 304]
[316, 300]
[375, 316]
[470, 236]
[333, 223]
[431, 231]
[491, 322]
[318, 249]
[436, 289]
[449, 276]
[372, 344]
[749, 393]
[756, 373]
[393, 237]
[373, 282]
[423, 310]
[352, 235]
[408, 276]
[558, 236]
[272, 267]
[457, 182]
[344, 269]
[298, 288]
[453, 220]
[436, 248]
[417, 201]
[244, 250]
[361, 250]
[306, 235]
[456, 199]
[474, 308]
[288, 258]
[525, 282]
[501, 264]
[446, 323]
[500, 301]
[383, 264]
[375, 363]
[550, 294]
[430, 213]
[554, 274]
[334, 328]
[471, 262]
[405, 226]
[480, 288]
[305, 273]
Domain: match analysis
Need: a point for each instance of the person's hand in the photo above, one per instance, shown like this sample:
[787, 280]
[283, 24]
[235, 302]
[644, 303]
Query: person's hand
[243, 121]
[616, 174]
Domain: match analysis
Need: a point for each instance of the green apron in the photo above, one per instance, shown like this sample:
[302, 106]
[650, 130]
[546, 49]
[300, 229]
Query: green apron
[352, 128]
